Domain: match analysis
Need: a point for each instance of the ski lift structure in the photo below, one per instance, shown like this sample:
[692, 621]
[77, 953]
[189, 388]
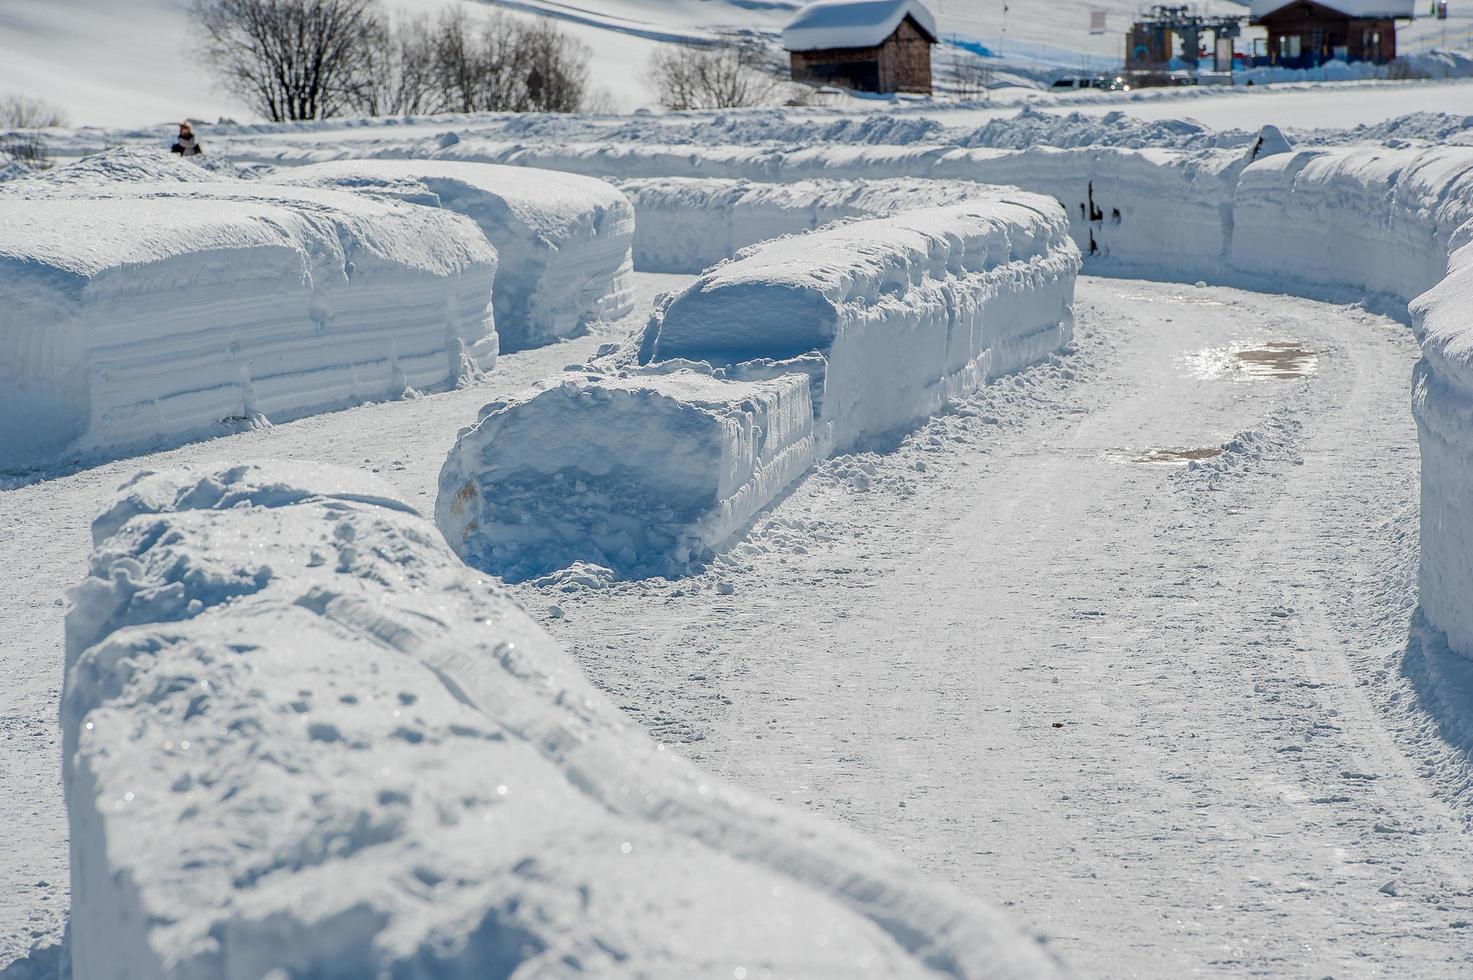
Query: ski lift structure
[1148, 46]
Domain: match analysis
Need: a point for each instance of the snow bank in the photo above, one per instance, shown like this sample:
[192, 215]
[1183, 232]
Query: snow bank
[135, 311]
[809, 343]
[564, 240]
[688, 224]
[302, 739]
[1442, 403]
[641, 474]
[1369, 218]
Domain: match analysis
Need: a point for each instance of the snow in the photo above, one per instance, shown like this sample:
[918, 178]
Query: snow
[1352, 8]
[687, 224]
[826, 24]
[820, 340]
[1442, 402]
[301, 737]
[564, 240]
[137, 311]
[641, 474]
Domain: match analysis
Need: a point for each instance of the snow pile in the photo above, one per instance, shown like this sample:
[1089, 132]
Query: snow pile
[563, 240]
[302, 739]
[1442, 402]
[809, 343]
[1034, 127]
[1372, 218]
[1430, 127]
[133, 311]
[642, 474]
[688, 224]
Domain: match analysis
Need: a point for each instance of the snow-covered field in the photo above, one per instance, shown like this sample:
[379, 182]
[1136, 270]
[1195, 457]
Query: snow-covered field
[1111, 623]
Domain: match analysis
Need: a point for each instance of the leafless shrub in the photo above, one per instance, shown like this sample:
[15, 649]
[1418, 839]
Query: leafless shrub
[28, 150]
[400, 79]
[725, 76]
[27, 112]
[292, 59]
[971, 81]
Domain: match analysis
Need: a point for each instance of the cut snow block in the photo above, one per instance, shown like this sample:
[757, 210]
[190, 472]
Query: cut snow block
[641, 474]
[1370, 218]
[302, 739]
[688, 224]
[908, 311]
[1442, 403]
[131, 312]
[564, 240]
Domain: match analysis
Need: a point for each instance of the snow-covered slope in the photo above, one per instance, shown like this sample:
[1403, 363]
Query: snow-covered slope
[303, 739]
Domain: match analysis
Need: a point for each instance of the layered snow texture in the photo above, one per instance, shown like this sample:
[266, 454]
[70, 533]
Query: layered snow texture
[762, 366]
[142, 298]
[688, 224]
[644, 474]
[302, 739]
[1442, 402]
[564, 240]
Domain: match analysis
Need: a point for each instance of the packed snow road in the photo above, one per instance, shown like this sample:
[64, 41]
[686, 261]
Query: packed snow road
[1157, 707]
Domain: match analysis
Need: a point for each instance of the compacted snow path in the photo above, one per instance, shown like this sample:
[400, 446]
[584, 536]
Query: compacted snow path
[1158, 709]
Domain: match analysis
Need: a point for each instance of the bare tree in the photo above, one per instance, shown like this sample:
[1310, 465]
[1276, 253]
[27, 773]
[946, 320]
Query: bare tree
[27, 112]
[400, 79]
[293, 59]
[726, 76]
[507, 65]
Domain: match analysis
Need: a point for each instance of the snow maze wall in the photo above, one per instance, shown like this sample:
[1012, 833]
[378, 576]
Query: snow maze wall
[143, 297]
[282, 761]
[1380, 222]
[756, 371]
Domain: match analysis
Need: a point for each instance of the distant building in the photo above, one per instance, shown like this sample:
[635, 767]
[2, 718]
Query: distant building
[1307, 33]
[868, 45]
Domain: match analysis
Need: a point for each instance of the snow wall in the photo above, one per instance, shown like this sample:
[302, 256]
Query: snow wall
[764, 365]
[1367, 220]
[134, 311]
[564, 239]
[302, 739]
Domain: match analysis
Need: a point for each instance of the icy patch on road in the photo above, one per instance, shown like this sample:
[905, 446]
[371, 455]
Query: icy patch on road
[1273, 359]
[301, 737]
[1272, 443]
[564, 240]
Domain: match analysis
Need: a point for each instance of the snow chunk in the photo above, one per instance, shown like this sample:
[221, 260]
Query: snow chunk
[564, 240]
[640, 474]
[301, 739]
[131, 312]
[853, 23]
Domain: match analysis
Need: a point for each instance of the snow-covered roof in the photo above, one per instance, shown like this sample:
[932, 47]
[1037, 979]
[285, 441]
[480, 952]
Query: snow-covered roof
[852, 23]
[1351, 8]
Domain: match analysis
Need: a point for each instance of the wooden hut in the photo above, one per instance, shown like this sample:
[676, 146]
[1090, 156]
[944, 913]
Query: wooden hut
[1308, 33]
[867, 45]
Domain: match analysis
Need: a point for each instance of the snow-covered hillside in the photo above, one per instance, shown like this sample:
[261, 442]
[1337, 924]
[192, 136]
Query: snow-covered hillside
[137, 63]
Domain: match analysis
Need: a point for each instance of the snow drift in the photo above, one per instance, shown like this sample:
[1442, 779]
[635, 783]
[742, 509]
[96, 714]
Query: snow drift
[799, 346]
[564, 240]
[133, 310]
[302, 739]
